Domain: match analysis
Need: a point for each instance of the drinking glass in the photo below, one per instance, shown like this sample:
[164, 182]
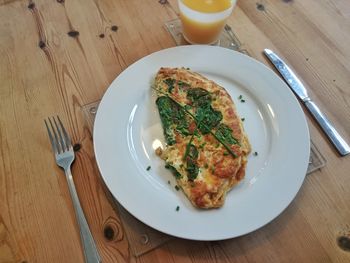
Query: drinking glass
[203, 20]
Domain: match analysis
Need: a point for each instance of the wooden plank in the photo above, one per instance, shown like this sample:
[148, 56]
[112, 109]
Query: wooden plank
[4, 2]
[8, 249]
[301, 41]
[44, 72]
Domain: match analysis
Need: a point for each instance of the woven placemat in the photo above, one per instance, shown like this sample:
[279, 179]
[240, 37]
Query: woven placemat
[141, 237]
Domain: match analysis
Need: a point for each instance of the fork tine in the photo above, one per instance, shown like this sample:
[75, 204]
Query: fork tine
[67, 138]
[53, 144]
[57, 143]
[63, 145]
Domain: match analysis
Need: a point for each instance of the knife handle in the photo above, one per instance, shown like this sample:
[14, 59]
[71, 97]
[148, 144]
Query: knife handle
[339, 143]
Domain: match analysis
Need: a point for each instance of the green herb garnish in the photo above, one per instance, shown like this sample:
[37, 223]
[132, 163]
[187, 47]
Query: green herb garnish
[173, 170]
[177, 187]
[196, 120]
[173, 116]
[182, 84]
[148, 168]
[177, 208]
[188, 107]
[188, 147]
[225, 134]
[207, 117]
[191, 155]
[198, 95]
[192, 152]
[170, 83]
[192, 169]
[255, 153]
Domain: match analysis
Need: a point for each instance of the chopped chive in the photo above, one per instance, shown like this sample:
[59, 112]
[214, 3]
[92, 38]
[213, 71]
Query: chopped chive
[240, 97]
[188, 147]
[242, 119]
[226, 153]
[242, 100]
[177, 187]
[217, 145]
[177, 208]
[255, 153]
[148, 168]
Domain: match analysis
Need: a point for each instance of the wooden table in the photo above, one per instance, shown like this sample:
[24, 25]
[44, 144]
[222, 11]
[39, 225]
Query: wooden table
[44, 71]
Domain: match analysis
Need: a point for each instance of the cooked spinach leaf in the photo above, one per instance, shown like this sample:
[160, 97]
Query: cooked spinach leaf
[170, 82]
[173, 170]
[173, 117]
[192, 169]
[207, 117]
[207, 124]
[191, 151]
[182, 84]
[224, 133]
[196, 93]
[167, 110]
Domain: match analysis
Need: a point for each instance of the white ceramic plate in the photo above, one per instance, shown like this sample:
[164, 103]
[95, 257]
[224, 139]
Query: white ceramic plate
[127, 130]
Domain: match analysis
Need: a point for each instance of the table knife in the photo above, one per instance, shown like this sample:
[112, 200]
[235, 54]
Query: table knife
[299, 89]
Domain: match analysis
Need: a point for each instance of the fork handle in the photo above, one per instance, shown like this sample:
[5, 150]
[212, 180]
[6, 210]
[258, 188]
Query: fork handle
[90, 250]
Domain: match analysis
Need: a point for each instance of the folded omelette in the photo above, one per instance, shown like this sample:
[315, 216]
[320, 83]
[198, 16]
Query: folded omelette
[206, 146]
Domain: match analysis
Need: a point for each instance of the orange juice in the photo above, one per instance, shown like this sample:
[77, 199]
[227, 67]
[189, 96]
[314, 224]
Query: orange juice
[203, 20]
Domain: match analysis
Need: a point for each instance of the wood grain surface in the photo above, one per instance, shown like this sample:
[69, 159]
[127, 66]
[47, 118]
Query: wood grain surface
[56, 56]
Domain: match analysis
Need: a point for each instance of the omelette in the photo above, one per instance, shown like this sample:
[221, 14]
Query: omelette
[206, 145]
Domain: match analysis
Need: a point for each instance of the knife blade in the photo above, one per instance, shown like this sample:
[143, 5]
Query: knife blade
[299, 89]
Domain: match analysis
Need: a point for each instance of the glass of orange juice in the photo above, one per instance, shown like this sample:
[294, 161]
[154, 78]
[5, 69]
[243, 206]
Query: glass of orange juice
[203, 20]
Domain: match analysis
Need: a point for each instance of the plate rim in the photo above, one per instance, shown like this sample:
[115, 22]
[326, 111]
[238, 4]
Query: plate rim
[251, 60]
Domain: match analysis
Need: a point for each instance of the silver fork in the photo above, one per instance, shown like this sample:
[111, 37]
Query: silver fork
[64, 154]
